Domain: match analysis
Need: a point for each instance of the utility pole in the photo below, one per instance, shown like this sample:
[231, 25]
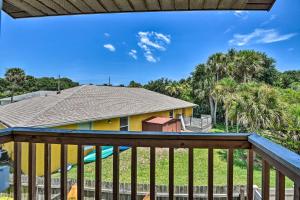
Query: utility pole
[109, 81]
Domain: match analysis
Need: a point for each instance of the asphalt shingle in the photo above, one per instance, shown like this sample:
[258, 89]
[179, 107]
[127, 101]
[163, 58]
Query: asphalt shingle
[86, 103]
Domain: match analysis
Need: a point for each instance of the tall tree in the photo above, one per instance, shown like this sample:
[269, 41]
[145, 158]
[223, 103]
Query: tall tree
[16, 78]
[225, 93]
[134, 84]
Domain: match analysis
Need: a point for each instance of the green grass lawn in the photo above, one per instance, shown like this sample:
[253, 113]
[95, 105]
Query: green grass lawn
[181, 168]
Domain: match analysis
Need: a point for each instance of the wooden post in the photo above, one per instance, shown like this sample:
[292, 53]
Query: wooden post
[133, 172]
[80, 172]
[191, 174]
[171, 173]
[242, 193]
[210, 174]
[32, 171]
[17, 170]
[63, 171]
[98, 179]
[230, 174]
[265, 180]
[47, 171]
[152, 173]
[280, 186]
[296, 192]
[116, 168]
[250, 161]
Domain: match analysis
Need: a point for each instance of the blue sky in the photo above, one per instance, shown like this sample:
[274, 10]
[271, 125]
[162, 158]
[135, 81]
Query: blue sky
[145, 46]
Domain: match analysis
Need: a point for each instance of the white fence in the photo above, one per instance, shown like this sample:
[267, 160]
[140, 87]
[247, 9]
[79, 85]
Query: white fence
[203, 124]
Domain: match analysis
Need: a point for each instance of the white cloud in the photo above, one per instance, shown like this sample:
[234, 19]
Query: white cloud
[152, 41]
[106, 34]
[241, 14]
[272, 17]
[260, 36]
[110, 47]
[133, 53]
[229, 29]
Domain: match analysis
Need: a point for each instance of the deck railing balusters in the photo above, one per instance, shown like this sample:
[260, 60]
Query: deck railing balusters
[191, 174]
[210, 174]
[152, 173]
[171, 173]
[296, 192]
[284, 161]
[116, 168]
[265, 180]
[250, 163]
[80, 172]
[63, 171]
[98, 173]
[47, 171]
[133, 173]
[32, 171]
[280, 186]
[17, 170]
[229, 173]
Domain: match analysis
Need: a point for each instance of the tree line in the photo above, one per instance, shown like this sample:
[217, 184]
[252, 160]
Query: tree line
[244, 91]
[16, 82]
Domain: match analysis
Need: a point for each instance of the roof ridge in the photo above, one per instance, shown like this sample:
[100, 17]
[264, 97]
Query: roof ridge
[55, 103]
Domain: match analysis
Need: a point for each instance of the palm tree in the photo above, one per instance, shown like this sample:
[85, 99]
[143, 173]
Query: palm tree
[16, 78]
[225, 93]
[257, 107]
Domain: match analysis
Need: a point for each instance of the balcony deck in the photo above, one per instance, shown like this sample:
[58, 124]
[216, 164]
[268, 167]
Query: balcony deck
[285, 162]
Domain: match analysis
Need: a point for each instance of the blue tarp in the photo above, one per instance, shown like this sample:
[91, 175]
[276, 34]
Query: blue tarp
[106, 152]
[4, 175]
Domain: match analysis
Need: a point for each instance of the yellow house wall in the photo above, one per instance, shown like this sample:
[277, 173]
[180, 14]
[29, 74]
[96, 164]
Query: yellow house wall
[2, 126]
[107, 125]
[135, 121]
[188, 112]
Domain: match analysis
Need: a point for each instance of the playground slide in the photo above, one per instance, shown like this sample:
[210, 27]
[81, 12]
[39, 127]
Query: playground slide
[106, 152]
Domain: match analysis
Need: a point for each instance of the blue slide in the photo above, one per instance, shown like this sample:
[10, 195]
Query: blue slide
[106, 152]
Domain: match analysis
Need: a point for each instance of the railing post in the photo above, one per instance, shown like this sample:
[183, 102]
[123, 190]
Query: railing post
[171, 173]
[133, 172]
[265, 180]
[191, 174]
[63, 171]
[47, 171]
[98, 174]
[230, 174]
[17, 170]
[116, 173]
[250, 160]
[296, 192]
[152, 173]
[210, 174]
[80, 173]
[280, 185]
[32, 171]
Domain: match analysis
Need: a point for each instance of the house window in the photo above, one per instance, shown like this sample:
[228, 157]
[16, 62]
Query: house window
[171, 114]
[124, 124]
[85, 126]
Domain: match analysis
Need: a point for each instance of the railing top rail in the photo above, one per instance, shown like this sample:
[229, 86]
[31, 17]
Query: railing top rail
[283, 159]
[137, 139]
[6, 135]
[131, 134]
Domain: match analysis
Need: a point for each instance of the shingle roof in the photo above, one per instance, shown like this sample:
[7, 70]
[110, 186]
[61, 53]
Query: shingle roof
[86, 103]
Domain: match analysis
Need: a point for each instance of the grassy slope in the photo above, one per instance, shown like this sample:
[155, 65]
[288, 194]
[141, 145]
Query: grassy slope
[181, 168]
